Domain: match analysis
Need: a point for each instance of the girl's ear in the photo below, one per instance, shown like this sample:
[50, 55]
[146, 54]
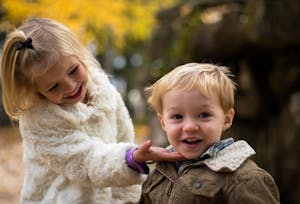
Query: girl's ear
[228, 119]
[161, 120]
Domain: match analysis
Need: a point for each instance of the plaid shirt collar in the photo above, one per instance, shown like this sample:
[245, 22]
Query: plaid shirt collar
[213, 150]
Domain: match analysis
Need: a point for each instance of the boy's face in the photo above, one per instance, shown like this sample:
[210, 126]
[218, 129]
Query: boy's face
[193, 122]
[65, 82]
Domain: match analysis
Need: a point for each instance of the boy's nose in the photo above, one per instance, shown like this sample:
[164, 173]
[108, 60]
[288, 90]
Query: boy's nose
[190, 125]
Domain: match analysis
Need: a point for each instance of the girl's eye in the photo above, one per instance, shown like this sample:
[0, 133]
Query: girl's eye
[73, 71]
[176, 116]
[52, 88]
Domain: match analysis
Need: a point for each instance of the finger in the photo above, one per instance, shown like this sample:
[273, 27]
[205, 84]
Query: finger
[145, 146]
[177, 156]
[174, 156]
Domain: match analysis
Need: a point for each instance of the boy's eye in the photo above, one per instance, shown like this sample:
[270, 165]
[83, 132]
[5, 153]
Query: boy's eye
[52, 87]
[204, 115]
[176, 116]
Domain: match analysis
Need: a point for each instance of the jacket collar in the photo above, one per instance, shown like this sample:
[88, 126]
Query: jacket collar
[230, 158]
[211, 152]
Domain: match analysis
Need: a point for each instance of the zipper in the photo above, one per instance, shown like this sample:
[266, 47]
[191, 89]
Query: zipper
[170, 189]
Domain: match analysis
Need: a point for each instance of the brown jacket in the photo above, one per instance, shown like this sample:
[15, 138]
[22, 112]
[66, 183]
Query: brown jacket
[229, 178]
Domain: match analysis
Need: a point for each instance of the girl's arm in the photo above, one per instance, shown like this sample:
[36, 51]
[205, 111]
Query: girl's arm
[54, 144]
[57, 145]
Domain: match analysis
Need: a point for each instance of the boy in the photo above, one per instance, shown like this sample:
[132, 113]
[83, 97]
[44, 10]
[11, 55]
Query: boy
[194, 104]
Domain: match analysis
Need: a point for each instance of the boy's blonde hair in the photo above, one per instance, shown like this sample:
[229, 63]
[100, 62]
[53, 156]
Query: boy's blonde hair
[50, 40]
[209, 79]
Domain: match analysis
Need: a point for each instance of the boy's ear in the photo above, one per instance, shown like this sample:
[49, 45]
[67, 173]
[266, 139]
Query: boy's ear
[228, 119]
[160, 118]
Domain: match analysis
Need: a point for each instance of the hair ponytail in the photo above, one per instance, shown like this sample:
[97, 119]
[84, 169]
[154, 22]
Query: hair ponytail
[12, 78]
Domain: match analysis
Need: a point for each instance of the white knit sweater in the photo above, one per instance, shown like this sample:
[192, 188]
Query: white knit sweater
[76, 154]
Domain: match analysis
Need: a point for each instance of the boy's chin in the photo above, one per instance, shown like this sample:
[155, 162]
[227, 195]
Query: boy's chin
[190, 156]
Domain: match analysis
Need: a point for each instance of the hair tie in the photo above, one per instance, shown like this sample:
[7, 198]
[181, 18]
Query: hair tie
[26, 44]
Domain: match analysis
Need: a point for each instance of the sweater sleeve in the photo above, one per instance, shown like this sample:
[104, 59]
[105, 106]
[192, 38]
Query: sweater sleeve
[71, 152]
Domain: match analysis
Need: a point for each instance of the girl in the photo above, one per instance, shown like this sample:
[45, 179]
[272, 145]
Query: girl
[75, 127]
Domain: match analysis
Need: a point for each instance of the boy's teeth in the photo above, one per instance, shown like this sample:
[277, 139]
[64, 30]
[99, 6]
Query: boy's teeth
[191, 140]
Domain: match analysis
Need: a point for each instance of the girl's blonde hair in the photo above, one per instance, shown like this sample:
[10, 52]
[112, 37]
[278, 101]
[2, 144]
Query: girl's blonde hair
[19, 67]
[209, 79]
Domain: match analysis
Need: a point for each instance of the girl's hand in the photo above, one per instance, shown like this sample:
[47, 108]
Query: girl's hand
[147, 152]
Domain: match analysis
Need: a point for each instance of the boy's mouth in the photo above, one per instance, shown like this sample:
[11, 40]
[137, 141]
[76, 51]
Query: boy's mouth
[191, 141]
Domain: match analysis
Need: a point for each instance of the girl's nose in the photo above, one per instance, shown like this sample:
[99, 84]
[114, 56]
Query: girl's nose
[190, 125]
[69, 85]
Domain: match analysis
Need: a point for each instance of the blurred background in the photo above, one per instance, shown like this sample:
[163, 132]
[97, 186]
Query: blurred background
[137, 41]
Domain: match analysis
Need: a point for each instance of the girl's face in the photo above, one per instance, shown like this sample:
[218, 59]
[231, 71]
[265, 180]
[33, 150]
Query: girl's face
[65, 82]
[192, 121]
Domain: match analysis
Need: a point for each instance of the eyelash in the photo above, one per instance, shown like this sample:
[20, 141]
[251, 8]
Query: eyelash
[52, 88]
[176, 116]
[74, 70]
[204, 115]
[201, 115]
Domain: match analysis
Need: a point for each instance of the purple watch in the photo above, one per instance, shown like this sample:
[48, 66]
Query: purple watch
[140, 167]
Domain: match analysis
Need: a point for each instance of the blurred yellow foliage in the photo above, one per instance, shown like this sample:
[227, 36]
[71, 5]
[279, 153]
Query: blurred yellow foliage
[93, 20]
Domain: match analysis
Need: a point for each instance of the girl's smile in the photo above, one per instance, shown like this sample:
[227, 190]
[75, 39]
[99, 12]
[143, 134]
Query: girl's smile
[76, 94]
